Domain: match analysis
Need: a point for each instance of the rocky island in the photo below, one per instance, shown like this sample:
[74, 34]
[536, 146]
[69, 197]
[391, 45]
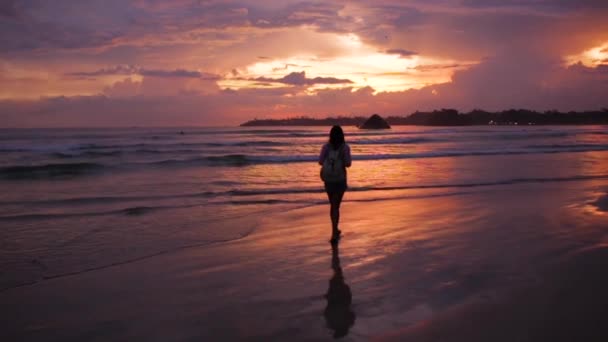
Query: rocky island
[375, 122]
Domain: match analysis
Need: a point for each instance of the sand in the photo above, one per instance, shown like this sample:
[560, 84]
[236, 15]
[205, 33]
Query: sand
[516, 263]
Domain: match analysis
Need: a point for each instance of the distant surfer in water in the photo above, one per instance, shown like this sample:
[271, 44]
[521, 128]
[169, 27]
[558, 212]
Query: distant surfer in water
[334, 159]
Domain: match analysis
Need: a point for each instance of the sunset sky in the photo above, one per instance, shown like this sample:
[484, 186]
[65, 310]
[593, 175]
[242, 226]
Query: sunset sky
[196, 62]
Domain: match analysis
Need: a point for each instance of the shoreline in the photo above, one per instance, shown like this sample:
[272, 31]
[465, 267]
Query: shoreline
[406, 262]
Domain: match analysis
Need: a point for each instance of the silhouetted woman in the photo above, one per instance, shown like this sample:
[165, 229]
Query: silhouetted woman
[335, 158]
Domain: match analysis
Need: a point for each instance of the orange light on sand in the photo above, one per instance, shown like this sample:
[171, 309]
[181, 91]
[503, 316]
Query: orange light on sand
[591, 58]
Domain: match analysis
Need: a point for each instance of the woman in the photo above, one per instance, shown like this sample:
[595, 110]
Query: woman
[335, 158]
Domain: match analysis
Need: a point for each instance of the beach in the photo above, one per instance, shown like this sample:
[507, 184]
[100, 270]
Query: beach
[452, 245]
[406, 261]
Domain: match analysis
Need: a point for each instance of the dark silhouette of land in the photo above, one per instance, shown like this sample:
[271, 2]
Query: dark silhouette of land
[452, 117]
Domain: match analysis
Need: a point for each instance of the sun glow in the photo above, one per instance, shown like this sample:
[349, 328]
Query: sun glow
[592, 57]
[361, 64]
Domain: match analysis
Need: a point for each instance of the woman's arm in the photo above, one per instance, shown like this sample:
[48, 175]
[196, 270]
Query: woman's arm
[347, 157]
[323, 154]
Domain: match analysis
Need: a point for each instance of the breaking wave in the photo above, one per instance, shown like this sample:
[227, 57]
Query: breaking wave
[49, 170]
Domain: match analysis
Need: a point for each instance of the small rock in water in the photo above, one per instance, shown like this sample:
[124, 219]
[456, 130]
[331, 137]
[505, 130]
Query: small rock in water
[375, 122]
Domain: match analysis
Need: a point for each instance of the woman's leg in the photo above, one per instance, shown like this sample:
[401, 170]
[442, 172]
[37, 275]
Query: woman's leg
[330, 197]
[335, 199]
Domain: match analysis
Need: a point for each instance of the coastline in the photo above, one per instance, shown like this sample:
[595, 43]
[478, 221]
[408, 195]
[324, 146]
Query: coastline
[452, 117]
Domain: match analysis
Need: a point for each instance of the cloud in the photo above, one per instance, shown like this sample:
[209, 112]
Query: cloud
[431, 67]
[491, 85]
[133, 70]
[536, 5]
[162, 86]
[401, 52]
[178, 73]
[124, 88]
[457, 30]
[8, 8]
[300, 79]
[287, 66]
[108, 24]
[497, 83]
[117, 70]
[325, 16]
[429, 24]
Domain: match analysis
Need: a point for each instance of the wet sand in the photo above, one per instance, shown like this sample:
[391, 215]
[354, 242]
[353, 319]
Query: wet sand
[516, 263]
[571, 304]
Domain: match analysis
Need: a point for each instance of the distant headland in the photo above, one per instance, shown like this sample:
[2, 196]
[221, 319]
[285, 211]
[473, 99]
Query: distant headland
[452, 117]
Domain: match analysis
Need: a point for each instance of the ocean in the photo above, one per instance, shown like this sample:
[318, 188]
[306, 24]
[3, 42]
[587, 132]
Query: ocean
[75, 200]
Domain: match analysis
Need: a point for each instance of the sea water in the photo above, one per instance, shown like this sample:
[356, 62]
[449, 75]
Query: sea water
[76, 200]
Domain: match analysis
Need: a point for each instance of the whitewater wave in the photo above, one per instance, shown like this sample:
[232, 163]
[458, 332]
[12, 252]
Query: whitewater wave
[511, 181]
[260, 197]
[590, 147]
[395, 141]
[88, 154]
[245, 160]
[49, 170]
[242, 160]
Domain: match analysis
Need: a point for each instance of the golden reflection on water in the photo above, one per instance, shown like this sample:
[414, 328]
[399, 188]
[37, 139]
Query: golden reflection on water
[372, 230]
[593, 163]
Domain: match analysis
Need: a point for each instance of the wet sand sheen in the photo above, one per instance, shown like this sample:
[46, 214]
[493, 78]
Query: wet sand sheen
[571, 304]
[418, 264]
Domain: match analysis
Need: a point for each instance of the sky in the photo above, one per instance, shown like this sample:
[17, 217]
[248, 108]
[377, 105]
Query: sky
[79, 63]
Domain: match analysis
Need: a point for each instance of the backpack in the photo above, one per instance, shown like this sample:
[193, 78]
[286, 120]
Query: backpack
[333, 169]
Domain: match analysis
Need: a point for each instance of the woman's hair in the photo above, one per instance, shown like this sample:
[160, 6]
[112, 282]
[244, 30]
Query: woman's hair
[336, 137]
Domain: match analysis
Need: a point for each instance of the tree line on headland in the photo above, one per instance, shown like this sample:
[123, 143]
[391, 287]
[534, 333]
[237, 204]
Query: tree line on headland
[452, 117]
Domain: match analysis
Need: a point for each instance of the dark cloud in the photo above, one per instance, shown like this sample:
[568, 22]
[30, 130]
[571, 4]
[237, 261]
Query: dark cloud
[384, 23]
[401, 52]
[177, 73]
[19, 36]
[324, 16]
[564, 5]
[132, 70]
[104, 24]
[287, 66]
[451, 29]
[300, 79]
[525, 81]
[8, 8]
[430, 67]
[262, 84]
[117, 70]
[44, 25]
[601, 69]
[76, 25]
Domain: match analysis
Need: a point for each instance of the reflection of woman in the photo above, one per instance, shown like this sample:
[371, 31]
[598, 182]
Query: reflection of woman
[338, 313]
[338, 153]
